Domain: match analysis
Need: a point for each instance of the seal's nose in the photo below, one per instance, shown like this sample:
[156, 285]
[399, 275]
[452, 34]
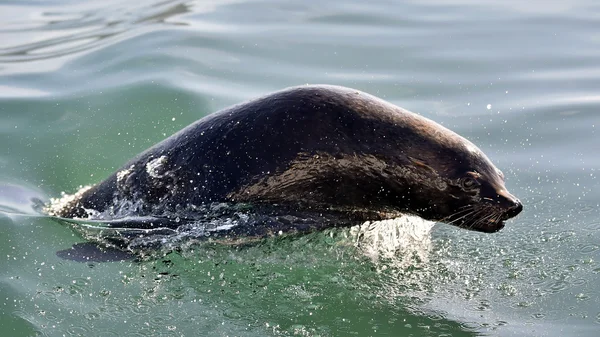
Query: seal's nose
[511, 203]
[514, 210]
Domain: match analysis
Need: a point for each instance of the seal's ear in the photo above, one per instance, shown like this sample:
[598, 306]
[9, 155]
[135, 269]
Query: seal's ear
[420, 164]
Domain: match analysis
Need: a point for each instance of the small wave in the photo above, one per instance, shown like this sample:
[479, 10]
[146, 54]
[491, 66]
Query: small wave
[19, 200]
[53, 32]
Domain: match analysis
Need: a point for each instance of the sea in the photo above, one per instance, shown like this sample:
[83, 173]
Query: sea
[85, 85]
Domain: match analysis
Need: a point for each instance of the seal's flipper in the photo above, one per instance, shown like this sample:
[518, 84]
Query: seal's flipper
[91, 252]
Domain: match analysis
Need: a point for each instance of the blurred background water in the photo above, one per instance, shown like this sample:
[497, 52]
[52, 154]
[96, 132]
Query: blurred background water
[85, 85]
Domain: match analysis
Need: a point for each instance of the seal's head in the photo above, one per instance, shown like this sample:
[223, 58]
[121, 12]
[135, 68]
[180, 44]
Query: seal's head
[353, 151]
[468, 192]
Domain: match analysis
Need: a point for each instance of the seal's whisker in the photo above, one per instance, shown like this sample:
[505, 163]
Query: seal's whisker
[447, 219]
[478, 221]
[457, 213]
[483, 219]
[470, 214]
[494, 217]
[466, 206]
[499, 216]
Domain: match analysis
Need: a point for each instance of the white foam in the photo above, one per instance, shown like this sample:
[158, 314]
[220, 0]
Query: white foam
[56, 205]
[402, 239]
[123, 174]
[154, 167]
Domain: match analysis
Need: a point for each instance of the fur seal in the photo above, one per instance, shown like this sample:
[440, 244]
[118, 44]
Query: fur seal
[321, 149]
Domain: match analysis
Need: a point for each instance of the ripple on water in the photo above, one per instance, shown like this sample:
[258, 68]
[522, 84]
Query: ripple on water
[80, 330]
[106, 332]
[20, 200]
[59, 31]
[592, 226]
[588, 248]
[141, 307]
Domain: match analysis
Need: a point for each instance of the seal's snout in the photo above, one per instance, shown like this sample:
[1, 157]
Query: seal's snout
[515, 209]
[512, 205]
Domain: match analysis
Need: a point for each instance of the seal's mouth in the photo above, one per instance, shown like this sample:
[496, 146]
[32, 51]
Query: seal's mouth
[484, 217]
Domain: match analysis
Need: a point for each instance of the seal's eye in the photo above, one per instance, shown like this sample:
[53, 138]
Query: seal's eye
[468, 183]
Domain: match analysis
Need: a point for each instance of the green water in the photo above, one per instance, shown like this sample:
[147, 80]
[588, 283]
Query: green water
[85, 85]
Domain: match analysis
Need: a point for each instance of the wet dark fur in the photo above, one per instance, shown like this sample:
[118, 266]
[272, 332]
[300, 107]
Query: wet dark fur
[318, 148]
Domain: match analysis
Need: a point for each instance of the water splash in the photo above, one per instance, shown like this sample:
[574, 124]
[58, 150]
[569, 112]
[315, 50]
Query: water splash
[403, 240]
[20, 201]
